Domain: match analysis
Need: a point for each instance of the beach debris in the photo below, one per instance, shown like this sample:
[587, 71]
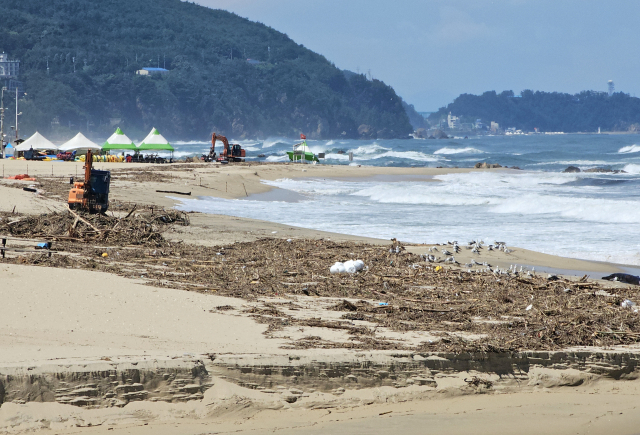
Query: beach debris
[174, 192]
[476, 382]
[350, 266]
[529, 307]
[627, 304]
[140, 228]
[482, 304]
[623, 277]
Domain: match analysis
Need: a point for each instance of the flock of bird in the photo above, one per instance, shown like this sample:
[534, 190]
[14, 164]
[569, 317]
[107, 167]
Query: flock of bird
[475, 246]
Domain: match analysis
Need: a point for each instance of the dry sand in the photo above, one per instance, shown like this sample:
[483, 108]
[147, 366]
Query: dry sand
[56, 316]
[61, 314]
[592, 408]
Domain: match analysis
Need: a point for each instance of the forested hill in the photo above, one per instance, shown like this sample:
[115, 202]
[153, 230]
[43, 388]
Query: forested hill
[583, 112]
[210, 85]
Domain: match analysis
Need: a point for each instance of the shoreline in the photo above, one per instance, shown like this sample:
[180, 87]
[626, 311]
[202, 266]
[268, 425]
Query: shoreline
[245, 182]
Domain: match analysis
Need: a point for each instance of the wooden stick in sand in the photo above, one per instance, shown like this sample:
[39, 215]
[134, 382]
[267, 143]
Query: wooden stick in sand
[84, 220]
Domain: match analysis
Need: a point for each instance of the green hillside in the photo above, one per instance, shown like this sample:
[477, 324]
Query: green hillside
[548, 111]
[210, 86]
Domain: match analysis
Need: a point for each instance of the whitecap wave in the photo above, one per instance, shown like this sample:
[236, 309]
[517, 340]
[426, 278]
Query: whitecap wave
[409, 155]
[336, 156]
[269, 142]
[629, 149]
[467, 150]
[589, 163]
[632, 168]
[284, 158]
[368, 149]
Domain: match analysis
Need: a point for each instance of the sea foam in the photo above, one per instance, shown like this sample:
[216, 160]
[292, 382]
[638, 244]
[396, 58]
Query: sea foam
[629, 149]
[467, 150]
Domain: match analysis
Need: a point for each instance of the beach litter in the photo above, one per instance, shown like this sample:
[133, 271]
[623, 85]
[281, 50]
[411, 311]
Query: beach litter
[347, 267]
[470, 311]
[623, 277]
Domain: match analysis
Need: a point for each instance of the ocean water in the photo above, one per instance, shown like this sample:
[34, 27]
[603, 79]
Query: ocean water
[587, 215]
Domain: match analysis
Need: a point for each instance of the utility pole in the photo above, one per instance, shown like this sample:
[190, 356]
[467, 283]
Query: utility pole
[17, 114]
[2, 121]
[17, 105]
[164, 60]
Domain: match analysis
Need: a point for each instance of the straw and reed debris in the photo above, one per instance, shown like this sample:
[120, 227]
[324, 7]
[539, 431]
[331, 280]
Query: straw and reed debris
[398, 290]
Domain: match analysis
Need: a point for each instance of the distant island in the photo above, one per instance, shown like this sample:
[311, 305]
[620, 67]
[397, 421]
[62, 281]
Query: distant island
[188, 70]
[588, 111]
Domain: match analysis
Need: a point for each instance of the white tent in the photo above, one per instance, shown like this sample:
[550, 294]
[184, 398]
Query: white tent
[36, 142]
[79, 142]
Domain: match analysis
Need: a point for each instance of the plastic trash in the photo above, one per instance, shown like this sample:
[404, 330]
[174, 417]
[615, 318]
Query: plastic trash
[338, 268]
[350, 266]
[529, 307]
[627, 304]
[383, 304]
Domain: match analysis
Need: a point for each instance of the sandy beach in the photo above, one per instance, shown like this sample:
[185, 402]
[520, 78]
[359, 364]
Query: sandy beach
[153, 343]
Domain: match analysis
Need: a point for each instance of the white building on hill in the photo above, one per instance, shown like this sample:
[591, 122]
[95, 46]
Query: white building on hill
[8, 68]
[453, 122]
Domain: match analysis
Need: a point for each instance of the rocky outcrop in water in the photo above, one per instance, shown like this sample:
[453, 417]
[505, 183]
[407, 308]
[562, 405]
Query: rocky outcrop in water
[485, 165]
[572, 169]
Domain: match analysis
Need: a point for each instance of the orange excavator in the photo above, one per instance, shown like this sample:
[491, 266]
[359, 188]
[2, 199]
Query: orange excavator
[92, 194]
[230, 153]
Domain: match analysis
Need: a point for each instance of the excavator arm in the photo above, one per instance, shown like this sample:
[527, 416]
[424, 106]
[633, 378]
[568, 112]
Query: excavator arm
[223, 139]
[228, 153]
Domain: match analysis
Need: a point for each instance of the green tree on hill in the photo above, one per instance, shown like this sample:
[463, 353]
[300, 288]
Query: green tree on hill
[210, 86]
[548, 111]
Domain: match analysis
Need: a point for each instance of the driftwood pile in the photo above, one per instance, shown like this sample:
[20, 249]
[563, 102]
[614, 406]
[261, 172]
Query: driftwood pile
[467, 311]
[133, 229]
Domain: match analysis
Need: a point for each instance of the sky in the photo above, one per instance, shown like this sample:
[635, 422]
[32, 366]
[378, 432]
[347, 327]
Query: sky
[431, 51]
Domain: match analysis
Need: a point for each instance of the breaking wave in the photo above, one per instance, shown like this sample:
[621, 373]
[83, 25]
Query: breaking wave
[467, 150]
[629, 149]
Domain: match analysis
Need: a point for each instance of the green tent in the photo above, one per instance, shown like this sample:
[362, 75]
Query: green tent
[119, 141]
[155, 141]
